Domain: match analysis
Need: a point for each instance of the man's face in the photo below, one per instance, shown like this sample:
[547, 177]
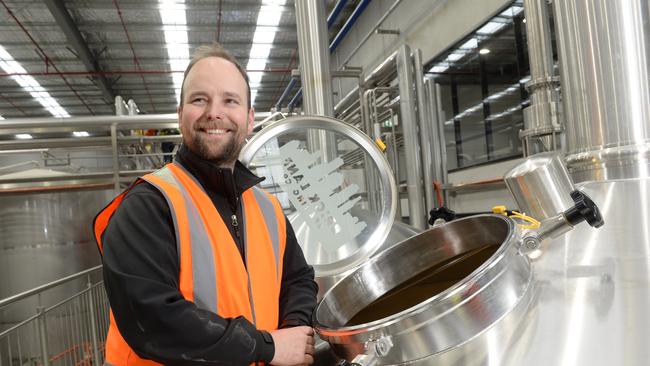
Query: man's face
[214, 117]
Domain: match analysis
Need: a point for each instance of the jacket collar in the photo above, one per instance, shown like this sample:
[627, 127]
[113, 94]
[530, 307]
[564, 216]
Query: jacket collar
[215, 179]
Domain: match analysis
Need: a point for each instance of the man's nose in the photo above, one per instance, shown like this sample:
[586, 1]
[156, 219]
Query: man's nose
[214, 111]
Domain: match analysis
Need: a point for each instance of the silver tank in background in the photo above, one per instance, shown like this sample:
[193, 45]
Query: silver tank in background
[44, 237]
[593, 287]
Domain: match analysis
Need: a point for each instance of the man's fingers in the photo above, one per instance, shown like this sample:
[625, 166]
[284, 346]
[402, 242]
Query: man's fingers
[311, 341]
[309, 359]
[310, 349]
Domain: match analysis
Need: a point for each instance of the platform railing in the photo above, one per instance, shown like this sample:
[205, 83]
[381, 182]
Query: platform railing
[71, 331]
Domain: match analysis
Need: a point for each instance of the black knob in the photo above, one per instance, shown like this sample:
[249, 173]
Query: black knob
[441, 213]
[584, 209]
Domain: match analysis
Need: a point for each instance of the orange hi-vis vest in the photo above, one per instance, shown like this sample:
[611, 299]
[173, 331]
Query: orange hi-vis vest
[212, 273]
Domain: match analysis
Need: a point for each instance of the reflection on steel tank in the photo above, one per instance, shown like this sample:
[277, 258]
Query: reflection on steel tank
[44, 237]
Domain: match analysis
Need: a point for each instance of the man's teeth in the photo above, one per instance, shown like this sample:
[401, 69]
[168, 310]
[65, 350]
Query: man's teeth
[215, 131]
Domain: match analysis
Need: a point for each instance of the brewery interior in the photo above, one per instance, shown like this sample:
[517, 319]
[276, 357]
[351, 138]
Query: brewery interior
[486, 167]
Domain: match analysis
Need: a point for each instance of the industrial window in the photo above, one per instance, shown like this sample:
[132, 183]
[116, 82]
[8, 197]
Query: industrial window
[482, 82]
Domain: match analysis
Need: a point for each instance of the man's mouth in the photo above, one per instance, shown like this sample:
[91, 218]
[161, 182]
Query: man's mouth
[214, 131]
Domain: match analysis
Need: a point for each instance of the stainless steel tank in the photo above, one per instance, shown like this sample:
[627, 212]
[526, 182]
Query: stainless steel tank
[44, 237]
[429, 294]
[443, 295]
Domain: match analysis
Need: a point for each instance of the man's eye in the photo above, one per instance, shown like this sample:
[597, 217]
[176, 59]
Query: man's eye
[199, 100]
[232, 101]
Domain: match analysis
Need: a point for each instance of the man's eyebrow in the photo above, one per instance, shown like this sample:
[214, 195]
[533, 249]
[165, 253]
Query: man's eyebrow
[231, 95]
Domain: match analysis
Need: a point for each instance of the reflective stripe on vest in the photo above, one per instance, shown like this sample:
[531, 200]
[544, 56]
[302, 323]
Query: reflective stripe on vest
[212, 272]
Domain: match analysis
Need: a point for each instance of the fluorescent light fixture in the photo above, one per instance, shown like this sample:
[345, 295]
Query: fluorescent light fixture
[469, 45]
[484, 51]
[172, 14]
[24, 136]
[455, 56]
[491, 28]
[439, 68]
[30, 85]
[268, 20]
[80, 134]
[512, 11]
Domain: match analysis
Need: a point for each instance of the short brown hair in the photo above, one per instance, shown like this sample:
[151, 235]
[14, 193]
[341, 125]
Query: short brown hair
[214, 50]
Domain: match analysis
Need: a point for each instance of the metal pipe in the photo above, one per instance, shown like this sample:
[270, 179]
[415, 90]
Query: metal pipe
[285, 94]
[417, 213]
[424, 125]
[604, 57]
[337, 39]
[47, 286]
[88, 121]
[314, 58]
[378, 73]
[437, 137]
[541, 119]
[349, 23]
[338, 7]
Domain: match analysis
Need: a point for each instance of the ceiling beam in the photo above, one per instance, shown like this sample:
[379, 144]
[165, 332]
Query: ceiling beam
[65, 22]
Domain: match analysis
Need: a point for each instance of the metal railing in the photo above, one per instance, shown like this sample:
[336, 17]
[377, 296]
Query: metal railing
[71, 331]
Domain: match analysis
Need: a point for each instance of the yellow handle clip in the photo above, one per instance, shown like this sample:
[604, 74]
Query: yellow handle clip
[532, 223]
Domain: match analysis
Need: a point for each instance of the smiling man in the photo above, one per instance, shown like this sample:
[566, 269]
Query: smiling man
[201, 267]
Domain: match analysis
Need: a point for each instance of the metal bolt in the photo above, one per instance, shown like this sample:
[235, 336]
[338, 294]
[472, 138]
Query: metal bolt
[382, 346]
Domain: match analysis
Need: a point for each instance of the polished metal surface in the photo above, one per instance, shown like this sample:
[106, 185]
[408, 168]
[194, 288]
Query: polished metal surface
[496, 290]
[592, 293]
[541, 186]
[314, 57]
[437, 133]
[425, 125]
[541, 119]
[604, 54]
[318, 252]
[44, 237]
[408, 119]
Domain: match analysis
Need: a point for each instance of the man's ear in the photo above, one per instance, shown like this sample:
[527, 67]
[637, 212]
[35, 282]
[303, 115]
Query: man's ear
[251, 119]
[179, 112]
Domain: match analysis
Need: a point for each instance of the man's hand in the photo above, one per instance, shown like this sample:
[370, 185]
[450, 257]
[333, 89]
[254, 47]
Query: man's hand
[293, 346]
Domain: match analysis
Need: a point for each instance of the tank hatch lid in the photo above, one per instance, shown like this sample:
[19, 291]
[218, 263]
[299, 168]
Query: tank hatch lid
[334, 185]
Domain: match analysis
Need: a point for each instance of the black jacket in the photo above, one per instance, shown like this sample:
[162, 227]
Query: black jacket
[141, 275]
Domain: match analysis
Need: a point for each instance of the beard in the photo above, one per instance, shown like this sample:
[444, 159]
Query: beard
[225, 152]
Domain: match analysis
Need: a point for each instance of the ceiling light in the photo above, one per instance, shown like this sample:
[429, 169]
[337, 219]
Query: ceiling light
[268, 20]
[80, 134]
[174, 19]
[24, 136]
[30, 85]
[491, 28]
[439, 68]
[484, 51]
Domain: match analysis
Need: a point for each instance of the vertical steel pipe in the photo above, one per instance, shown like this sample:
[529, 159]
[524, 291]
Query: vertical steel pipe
[425, 125]
[408, 119]
[604, 49]
[314, 58]
[436, 133]
[541, 118]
